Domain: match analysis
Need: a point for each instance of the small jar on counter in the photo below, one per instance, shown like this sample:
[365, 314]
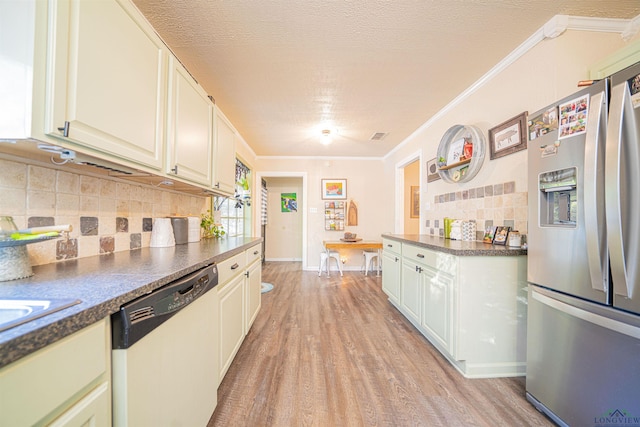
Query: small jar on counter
[515, 239]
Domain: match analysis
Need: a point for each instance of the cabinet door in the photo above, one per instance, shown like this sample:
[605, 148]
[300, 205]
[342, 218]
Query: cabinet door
[231, 322]
[93, 410]
[391, 275]
[190, 129]
[36, 388]
[437, 292]
[225, 155]
[253, 293]
[410, 291]
[107, 80]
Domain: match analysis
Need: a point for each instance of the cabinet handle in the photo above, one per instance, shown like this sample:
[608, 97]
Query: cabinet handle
[65, 130]
[246, 273]
[397, 259]
[234, 266]
[175, 169]
[418, 269]
[217, 185]
[389, 246]
[420, 256]
[256, 252]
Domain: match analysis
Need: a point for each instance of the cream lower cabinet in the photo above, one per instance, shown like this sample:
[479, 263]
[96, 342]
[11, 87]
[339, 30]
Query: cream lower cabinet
[427, 296]
[392, 262]
[64, 384]
[411, 291]
[253, 283]
[239, 285]
[231, 289]
[473, 309]
[437, 306]
[106, 80]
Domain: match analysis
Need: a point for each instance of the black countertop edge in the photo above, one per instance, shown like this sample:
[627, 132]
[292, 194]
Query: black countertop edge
[103, 283]
[456, 247]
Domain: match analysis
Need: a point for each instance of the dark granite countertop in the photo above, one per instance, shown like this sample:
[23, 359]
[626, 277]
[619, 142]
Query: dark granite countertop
[456, 247]
[103, 283]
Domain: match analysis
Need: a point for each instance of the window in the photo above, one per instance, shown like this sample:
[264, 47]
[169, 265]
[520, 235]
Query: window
[235, 212]
[232, 217]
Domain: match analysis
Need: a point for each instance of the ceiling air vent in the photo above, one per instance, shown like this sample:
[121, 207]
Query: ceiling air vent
[378, 136]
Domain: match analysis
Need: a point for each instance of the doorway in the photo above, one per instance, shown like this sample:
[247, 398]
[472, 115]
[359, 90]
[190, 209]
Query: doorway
[408, 192]
[285, 231]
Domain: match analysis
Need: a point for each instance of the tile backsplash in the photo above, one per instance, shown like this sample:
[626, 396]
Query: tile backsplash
[107, 214]
[489, 206]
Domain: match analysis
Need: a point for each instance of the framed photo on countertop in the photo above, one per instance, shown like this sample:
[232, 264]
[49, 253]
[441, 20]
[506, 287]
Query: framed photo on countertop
[501, 235]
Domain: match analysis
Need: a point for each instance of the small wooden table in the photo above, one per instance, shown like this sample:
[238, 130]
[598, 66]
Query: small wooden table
[361, 244]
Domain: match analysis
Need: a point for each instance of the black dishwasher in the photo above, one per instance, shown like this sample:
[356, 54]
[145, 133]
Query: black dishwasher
[164, 356]
[142, 315]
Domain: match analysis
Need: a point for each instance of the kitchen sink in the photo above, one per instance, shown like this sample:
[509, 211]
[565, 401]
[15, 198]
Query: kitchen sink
[16, 311]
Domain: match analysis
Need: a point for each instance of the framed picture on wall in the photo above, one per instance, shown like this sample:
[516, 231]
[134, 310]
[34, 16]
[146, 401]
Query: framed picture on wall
[508, 137]
[432, 170]
[288, 202]
[415, 202]
[334, 189]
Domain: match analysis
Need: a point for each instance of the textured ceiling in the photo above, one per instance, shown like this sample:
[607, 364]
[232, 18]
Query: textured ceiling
[283, 70]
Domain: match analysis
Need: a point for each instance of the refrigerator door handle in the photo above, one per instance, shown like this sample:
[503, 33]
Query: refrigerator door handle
[593, 188]
[622, 148]
[587, 316]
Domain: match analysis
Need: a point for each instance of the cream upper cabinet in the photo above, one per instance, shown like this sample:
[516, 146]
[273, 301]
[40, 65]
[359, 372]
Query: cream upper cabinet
[224, 164]
[106, 81]
[189, 128]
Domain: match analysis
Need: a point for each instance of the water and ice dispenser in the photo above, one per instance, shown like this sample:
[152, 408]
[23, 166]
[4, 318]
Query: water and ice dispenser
[558, 198]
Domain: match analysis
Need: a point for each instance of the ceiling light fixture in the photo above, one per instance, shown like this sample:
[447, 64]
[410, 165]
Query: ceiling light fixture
[326, 136]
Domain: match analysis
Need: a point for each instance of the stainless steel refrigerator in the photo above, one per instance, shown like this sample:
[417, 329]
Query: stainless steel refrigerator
[583, 332]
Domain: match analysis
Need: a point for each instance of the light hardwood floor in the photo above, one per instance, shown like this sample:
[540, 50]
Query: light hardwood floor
[334, 352]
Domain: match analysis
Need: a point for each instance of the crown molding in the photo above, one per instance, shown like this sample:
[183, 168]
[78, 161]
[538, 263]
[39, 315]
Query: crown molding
[318, 158]
[552, 29]
[632, 29]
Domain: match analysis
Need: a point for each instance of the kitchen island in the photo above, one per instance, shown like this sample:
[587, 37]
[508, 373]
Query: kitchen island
[469, 299]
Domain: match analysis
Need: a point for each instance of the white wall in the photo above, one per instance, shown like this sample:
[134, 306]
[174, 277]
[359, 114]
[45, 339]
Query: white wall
[542, 75]
[545, 73]
[284, 229]
[366, 185]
